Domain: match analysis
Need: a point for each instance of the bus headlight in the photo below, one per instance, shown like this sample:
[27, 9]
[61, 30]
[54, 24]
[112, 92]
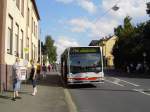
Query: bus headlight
[70, 80]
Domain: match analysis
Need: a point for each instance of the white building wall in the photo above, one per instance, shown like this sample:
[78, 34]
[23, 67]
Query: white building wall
[31, 34]
[15, 13]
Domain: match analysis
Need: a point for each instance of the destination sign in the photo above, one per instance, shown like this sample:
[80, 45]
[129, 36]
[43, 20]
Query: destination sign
[84, 50]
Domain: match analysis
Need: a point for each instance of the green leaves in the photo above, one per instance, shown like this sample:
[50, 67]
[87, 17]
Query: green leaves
[49, 49]
[148, 8]
[132, 42]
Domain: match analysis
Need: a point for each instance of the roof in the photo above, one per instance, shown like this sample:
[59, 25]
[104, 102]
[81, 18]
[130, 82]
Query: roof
[94, 42]
[36, 9]
[108, 38]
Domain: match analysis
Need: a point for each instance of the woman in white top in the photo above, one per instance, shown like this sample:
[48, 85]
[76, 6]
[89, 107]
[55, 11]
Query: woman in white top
[16, 79]
[33, 77]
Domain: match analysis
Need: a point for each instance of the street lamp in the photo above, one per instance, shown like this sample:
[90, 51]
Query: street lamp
[115, 8]
[144, 57]
[103, 44]
[144, 60]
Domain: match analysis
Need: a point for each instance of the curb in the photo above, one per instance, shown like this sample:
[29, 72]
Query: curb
[71, 105]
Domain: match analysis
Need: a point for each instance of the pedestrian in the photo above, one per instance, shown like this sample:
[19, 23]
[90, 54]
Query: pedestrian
[44, 70]
[131, 68]
[16, 79]
[38, 71]
[54, 67]
[49, 67]
[33, 77]
[139, 67]
[128, 69]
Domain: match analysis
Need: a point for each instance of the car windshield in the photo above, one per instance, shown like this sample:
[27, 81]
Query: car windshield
[88, 62]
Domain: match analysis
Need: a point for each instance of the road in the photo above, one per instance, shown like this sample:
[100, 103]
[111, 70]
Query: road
[119, 93]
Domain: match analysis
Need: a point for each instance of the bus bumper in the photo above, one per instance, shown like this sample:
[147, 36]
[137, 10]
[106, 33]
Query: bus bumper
[84, 82]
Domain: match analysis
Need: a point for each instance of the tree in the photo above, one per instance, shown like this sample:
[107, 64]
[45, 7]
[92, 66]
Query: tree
[121, 50]
[44, 52]
[146, 41]
[43, 49]
[50, 49]
[148, 8]
[132, 42]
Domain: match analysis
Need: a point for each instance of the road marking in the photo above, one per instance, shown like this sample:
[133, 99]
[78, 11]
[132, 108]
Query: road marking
[127, 82]
[70, 102]
[141, 91]
[114, 83]
[117, 80]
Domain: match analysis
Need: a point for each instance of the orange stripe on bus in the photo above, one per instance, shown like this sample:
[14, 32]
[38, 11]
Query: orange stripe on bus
[91, 78]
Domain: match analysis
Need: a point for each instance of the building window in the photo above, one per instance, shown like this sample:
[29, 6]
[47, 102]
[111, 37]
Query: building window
[36, 32]
[18, 3]
[32, 25]
[21, 44]
[28, 18]
[10, 35]
[32, 50]
[34, 28]
[36, 53]
[27, 46]
[16, 50]
[22, 7]
[8, 41]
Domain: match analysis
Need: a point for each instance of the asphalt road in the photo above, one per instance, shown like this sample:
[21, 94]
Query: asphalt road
[119, 93]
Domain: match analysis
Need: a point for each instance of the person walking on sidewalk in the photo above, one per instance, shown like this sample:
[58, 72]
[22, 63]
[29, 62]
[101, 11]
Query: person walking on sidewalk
[38, 70]
[16, 79]
[44, 70]
[33, 77]
[49, 67]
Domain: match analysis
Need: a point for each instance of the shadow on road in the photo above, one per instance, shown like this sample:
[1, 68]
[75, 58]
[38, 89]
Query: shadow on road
[115, 73]
[79, 86]
[52, 80]
[4, 97]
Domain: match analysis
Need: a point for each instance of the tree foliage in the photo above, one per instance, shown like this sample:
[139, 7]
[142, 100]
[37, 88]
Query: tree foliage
[148, 8]
[132, 42]
[44, 50]
[49, 49]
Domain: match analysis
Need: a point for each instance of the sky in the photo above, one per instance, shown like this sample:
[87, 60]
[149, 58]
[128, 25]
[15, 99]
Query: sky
[78, 22]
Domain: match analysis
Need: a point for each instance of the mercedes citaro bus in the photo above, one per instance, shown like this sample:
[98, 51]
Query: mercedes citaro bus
[82, 65]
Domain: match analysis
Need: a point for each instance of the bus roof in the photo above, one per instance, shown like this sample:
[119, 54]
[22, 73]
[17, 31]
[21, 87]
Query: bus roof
[79, 47]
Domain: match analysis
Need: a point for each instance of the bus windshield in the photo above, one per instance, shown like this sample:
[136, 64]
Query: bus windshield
[85, 62]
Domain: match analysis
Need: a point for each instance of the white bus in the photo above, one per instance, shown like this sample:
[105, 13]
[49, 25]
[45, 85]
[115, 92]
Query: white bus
[82, 65]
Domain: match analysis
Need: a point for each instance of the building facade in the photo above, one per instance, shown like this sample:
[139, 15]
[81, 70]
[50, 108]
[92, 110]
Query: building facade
[107, 50]
[107, 45]
[19, 35]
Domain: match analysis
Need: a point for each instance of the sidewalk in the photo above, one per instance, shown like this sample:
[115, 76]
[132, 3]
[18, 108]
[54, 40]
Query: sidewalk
[50, 97]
